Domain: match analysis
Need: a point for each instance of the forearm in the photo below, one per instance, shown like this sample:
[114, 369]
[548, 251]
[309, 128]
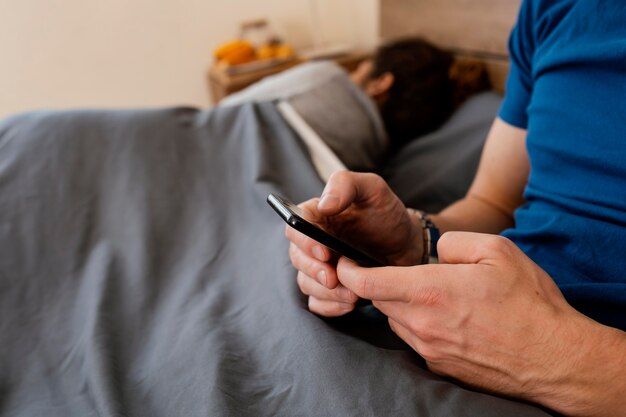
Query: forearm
[497, 189]
[588, 378]
[474, 214]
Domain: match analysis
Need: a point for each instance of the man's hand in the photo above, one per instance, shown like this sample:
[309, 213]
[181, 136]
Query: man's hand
[362, 210]
[490, 317]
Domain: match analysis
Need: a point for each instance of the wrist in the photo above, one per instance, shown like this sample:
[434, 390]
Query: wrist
[429, 236]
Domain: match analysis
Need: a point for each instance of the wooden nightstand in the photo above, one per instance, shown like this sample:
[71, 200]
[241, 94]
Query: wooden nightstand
[222, 83]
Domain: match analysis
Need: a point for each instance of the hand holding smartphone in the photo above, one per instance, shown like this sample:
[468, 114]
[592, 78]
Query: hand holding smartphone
[296, 218]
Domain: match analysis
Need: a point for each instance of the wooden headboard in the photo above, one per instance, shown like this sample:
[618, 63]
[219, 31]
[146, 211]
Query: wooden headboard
[475, 29]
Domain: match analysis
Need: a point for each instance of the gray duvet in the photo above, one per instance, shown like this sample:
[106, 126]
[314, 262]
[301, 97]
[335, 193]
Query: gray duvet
[143, 274]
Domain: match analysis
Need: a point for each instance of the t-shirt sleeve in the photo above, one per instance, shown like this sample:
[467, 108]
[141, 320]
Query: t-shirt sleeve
[519, 83]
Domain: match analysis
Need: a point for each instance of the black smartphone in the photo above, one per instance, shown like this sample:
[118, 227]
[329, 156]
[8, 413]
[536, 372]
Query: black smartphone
[296, 218]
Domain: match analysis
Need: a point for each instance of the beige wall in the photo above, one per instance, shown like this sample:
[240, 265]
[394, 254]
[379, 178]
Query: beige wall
[129, 53]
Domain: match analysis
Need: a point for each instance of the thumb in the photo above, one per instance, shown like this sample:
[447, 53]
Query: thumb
[381, 284]
[344, 188]
[472, 248]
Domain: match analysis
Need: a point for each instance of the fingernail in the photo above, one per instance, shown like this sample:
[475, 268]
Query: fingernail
[321, 277]
[318, 252]
[328, 201]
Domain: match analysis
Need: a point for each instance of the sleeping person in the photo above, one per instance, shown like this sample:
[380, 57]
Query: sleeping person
[407, 89]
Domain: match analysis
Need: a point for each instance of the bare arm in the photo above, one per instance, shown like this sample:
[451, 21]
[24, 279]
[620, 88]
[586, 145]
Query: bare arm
[583, 359]
[498, 187]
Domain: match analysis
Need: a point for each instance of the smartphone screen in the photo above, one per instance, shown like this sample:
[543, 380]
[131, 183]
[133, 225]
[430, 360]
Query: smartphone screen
[296, 218]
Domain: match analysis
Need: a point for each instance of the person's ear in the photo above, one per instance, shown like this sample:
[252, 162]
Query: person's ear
[360, 75]
[381, 85]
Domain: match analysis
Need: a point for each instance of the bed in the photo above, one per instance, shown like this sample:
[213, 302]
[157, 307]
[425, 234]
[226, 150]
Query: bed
[143, 274]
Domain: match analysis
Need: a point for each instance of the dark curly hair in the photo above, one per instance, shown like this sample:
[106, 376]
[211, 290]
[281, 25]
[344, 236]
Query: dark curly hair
[423, 95]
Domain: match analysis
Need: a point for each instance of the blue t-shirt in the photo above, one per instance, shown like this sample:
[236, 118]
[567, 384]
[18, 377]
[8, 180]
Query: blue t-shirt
[567, 87]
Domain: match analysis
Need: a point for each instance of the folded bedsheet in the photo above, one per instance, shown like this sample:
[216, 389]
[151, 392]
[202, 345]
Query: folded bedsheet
[143, 274]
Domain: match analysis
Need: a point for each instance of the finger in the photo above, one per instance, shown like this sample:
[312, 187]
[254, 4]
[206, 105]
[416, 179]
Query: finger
[399, 329]
[323, 272]
[393, 309]
[382, 284]
[310, 286]
[472, 248]
[425, 285]
[307, 245]
[405, 334]
[418, 320]
[344, 188]
[329, 308]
